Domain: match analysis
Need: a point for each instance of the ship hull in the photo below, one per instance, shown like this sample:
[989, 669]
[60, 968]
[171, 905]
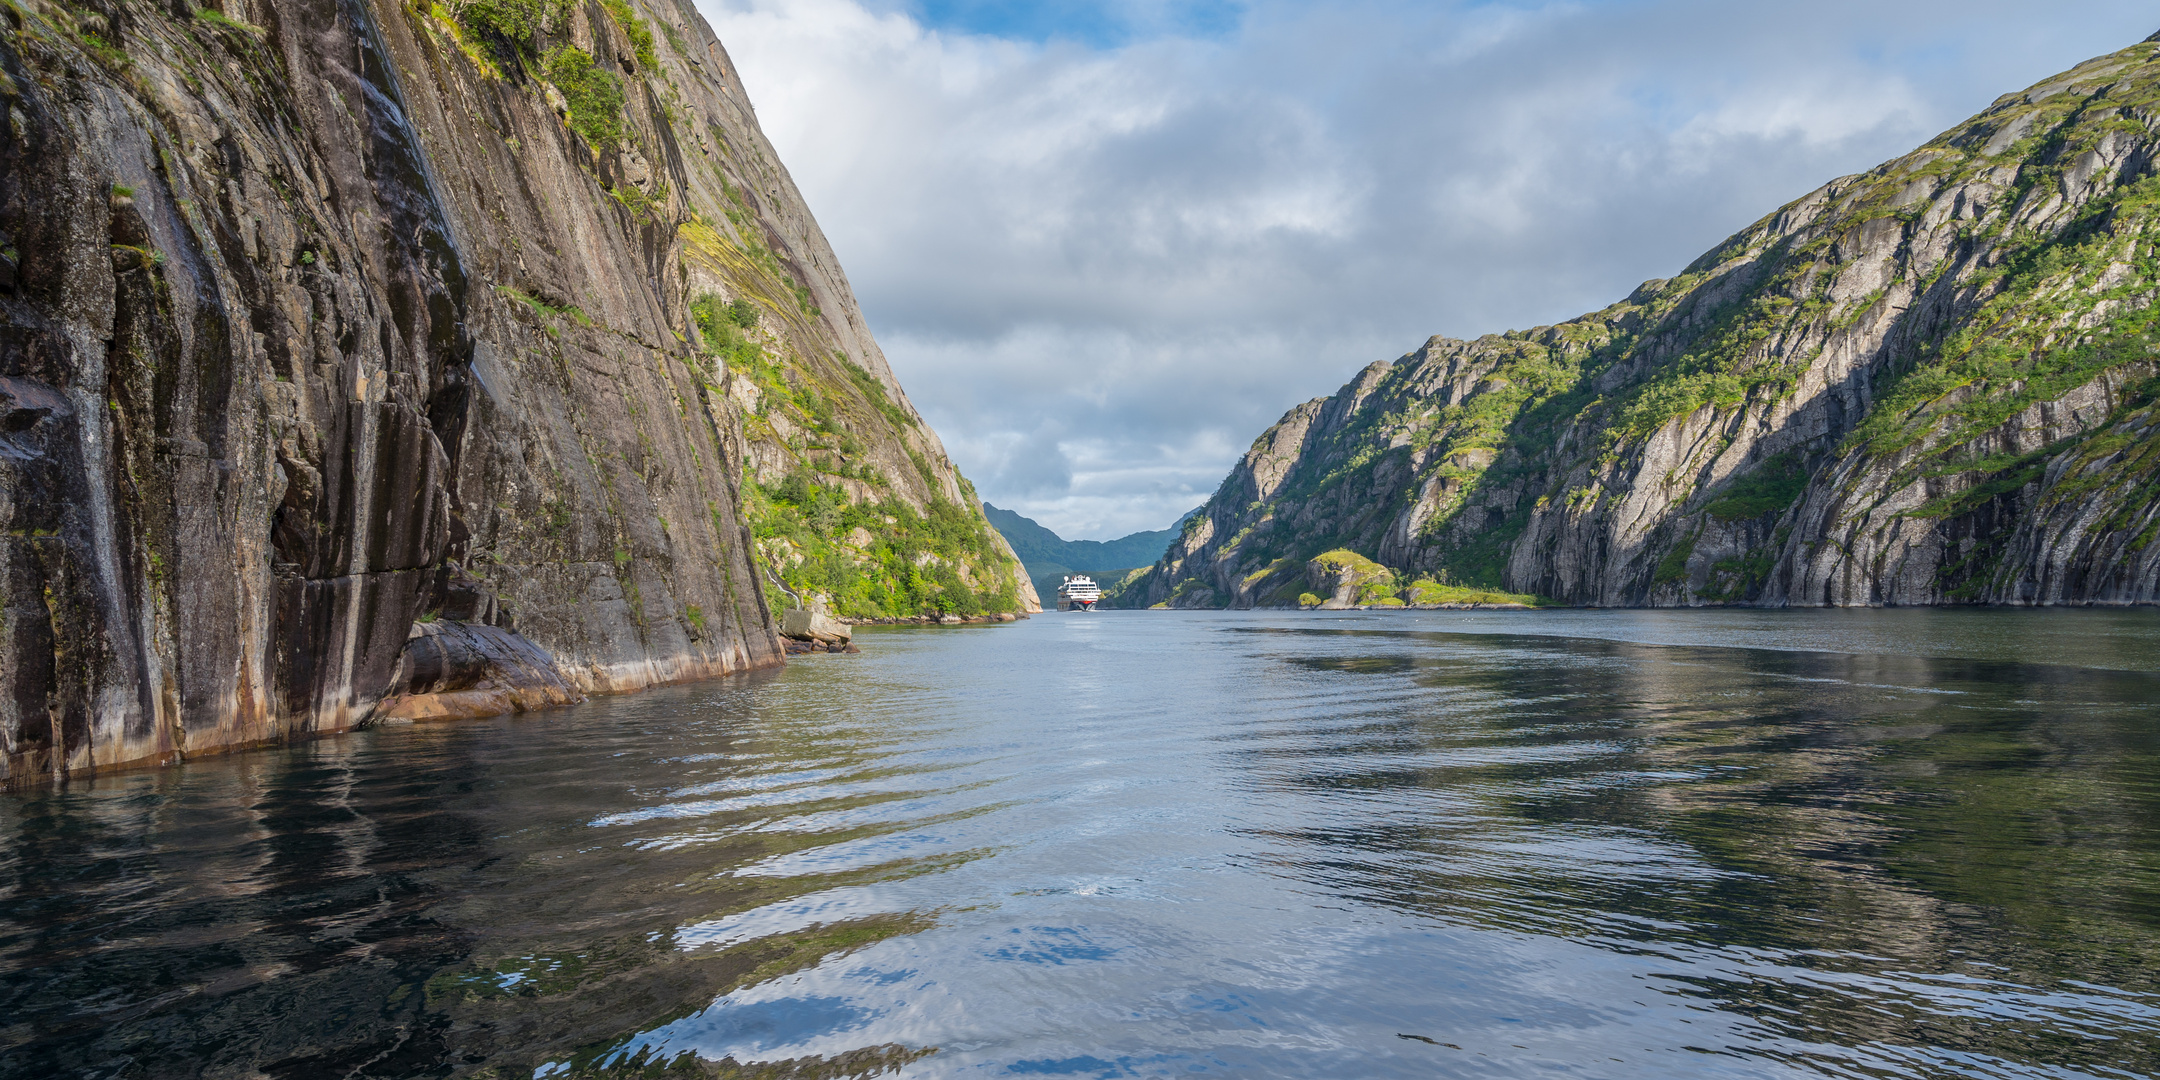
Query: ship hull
[1078, 593]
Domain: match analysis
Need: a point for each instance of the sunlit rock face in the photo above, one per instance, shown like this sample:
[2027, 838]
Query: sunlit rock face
[326, 321]
[1932, 383]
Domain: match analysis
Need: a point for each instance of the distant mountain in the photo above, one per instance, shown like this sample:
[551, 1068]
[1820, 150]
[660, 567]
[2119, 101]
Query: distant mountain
[1049, 557]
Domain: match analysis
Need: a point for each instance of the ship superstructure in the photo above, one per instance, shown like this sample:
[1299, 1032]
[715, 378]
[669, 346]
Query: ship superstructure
[1079, 593]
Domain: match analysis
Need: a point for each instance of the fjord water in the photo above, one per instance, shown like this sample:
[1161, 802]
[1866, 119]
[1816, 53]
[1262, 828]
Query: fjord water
[1585, 844]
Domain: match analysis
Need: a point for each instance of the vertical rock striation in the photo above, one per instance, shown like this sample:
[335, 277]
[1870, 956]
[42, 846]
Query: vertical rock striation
[348, 353]
[1932, 383]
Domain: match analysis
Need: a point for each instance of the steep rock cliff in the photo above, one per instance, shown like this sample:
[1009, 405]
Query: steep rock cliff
[1931, 383]
[332, 325]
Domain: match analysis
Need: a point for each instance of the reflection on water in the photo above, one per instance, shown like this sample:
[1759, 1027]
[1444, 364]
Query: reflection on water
[1606, 844]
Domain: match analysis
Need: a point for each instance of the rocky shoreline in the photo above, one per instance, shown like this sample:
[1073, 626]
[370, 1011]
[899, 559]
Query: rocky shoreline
[816, 632]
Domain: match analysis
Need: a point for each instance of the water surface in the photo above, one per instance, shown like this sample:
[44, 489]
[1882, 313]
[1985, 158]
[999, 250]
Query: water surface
[1511, 844]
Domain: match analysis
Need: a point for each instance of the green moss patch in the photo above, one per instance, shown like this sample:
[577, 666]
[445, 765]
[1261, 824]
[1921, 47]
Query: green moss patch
[593, 93]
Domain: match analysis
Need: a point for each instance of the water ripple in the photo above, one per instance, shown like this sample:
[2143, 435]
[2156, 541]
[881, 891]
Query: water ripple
[1716, 844]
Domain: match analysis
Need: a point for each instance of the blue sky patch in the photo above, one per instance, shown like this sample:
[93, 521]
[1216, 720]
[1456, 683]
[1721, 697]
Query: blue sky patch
[1088, 22]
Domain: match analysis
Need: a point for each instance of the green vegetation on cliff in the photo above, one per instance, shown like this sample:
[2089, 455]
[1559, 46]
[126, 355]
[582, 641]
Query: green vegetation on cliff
[594, 95]
[511, 22]
[876, 559]
[1769, 488]
[634, 28]
[833, 525]
[1426, 591]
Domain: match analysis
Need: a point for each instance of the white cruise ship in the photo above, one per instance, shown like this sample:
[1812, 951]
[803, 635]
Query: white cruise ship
[1079, 593]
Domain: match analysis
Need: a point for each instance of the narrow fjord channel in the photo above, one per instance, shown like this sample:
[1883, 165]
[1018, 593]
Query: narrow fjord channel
[1585, 844]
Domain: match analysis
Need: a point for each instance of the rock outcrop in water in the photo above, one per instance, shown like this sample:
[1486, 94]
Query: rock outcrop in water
[353, 350]
[1930, 384]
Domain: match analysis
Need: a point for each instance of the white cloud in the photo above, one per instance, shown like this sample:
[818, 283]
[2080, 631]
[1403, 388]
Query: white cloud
[1101, 272]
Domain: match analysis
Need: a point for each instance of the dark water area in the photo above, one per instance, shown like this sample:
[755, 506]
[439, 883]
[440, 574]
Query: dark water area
[1581, 844]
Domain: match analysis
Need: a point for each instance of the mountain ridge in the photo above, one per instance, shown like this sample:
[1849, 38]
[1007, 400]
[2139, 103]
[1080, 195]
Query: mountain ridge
[1928, 383]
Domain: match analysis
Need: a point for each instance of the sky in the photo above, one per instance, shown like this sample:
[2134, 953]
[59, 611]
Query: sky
[1106, 244]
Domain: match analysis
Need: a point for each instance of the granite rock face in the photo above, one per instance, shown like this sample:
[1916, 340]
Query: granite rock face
[1933, 383]
[348, 353]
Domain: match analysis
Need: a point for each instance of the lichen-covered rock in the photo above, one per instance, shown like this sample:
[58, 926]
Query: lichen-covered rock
[319, 318]
[1932, 383]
